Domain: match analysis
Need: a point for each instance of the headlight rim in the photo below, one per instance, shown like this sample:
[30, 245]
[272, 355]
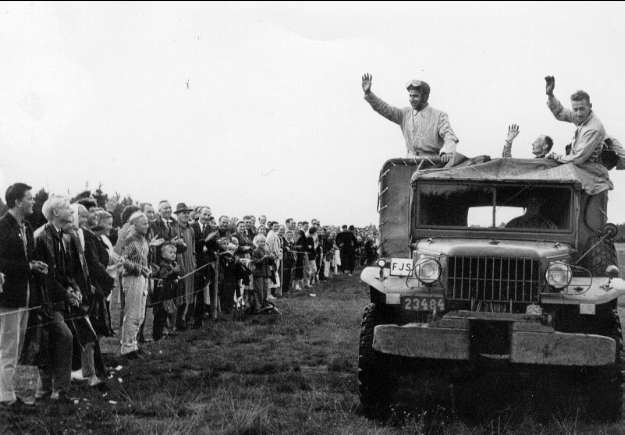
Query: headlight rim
[569, 273]
[417, 267]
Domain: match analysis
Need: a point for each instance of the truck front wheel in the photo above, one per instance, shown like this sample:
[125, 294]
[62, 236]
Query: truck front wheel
[605, 385]
[373, 370]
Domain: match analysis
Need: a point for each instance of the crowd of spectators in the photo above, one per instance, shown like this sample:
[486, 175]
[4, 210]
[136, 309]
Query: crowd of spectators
[57, 283]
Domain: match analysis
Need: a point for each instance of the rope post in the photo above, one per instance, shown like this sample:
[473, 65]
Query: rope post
[122, 301]
[282, 275]
[214, 292]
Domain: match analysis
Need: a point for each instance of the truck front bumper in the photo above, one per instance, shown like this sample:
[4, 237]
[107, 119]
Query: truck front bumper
[530, 342]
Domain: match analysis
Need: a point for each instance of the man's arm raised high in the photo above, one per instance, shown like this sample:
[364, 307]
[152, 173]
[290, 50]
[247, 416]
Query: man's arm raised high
[559, 111]
[513, 131]
[391, 113]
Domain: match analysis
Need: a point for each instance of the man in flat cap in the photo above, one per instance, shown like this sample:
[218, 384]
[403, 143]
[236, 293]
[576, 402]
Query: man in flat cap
[426, 130]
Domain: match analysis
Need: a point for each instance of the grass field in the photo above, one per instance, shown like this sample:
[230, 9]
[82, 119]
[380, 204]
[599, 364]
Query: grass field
[294, 374]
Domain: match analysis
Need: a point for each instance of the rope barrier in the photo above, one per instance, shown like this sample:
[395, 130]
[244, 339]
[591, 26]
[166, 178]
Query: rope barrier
[19, 310]
[83, 316]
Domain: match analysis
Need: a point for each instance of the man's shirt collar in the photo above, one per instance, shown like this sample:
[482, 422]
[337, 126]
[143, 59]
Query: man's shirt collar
[20, 222]
[587, 120]
[415, 111]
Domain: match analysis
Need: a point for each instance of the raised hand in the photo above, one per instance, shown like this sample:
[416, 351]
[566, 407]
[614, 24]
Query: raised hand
[158, 241]
[513, 131]
[367, 79]
[553, 156]
[550, 84]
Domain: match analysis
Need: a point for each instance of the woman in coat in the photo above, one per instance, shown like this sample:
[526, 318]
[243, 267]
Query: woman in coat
[300, 251]
[97, 256]
[88, 355]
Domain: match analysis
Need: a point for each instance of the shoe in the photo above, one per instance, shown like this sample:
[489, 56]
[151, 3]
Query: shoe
[98, 384]
[43, 395]
[77, 376]
[132, 355]
[16, 405]
[94, 381]
[143, 353]
[10, 404]
[61, 397]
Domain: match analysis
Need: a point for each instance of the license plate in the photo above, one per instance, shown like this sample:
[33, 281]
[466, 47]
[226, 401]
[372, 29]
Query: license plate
[401, 266]
[422, 303]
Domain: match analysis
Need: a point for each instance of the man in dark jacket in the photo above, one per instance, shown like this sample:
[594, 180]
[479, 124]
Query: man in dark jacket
[346, 241]
[201, 229]
[162, 227]
[97, 258]
[59, 295]
[210, 247]
[19, 289]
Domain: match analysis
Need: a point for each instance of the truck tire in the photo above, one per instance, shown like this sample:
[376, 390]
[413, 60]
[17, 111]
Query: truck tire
[373, 374]
[605, 385]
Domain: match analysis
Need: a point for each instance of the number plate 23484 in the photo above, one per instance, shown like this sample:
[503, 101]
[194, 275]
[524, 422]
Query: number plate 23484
[422, 303]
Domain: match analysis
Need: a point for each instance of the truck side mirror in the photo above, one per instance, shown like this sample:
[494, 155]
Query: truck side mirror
[612, 271]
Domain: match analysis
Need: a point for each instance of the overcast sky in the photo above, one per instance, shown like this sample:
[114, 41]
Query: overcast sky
[273, 120]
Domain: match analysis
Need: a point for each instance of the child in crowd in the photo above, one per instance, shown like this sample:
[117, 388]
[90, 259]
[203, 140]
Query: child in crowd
[312, 248]
[166, 273]
[232, 273]
[262, 262]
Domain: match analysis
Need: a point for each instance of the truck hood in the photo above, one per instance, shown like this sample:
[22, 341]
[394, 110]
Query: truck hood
[497, 248]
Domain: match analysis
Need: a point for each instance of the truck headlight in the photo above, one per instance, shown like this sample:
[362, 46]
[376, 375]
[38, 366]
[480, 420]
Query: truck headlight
[427, 270]
[559, 274]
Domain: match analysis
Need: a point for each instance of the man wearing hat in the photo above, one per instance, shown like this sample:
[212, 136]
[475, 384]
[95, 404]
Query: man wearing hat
[426, 130]
[182, 230]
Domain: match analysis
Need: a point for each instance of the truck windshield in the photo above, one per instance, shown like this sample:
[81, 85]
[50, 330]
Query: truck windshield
[513, 207]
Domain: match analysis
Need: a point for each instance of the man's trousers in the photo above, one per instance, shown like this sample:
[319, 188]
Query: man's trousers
[136, 293]
[13, 323]
[57, 369]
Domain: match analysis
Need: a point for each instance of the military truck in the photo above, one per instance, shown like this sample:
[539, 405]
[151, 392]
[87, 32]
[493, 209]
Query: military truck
[509, 261]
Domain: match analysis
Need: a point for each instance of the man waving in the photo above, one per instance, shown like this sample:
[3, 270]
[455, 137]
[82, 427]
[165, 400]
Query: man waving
[426, 130]
[589, 132]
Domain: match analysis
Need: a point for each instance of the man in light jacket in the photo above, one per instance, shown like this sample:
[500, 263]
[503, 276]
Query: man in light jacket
[274, 248]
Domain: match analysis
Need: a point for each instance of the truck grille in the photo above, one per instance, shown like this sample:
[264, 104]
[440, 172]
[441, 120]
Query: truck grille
[493, 279]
